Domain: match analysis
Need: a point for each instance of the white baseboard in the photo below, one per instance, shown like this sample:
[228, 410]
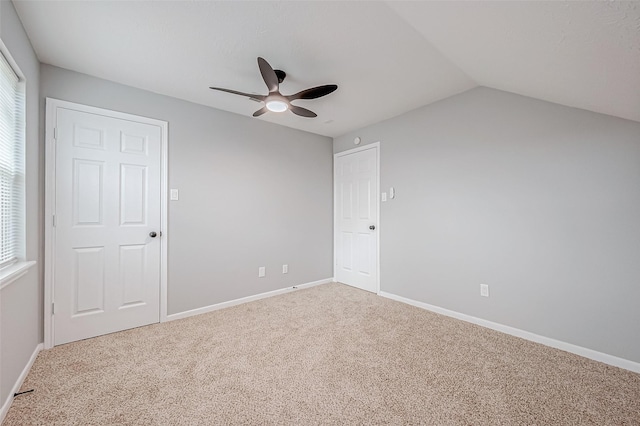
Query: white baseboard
[547, 341]
[242, 300]
[16, 386]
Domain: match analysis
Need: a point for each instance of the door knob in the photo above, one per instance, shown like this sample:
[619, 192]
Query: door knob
[152, 234]
[372, 227]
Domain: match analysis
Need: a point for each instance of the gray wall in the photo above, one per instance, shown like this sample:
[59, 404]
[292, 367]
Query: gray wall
[251, 193]
[21, 303]
[539, 201]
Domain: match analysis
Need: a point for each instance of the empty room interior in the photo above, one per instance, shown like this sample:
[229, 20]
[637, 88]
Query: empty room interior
[320, 212]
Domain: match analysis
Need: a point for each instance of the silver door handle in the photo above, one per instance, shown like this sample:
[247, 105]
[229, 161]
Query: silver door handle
[372, 227]
[152, 234]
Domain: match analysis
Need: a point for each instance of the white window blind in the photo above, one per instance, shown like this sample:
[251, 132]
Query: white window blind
[11, 164]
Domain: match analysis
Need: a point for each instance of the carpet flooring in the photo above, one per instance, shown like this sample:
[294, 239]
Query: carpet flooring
[330, 354]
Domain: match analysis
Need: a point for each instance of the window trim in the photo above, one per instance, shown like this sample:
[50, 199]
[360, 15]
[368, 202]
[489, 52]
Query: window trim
[10, 273]
[13, 271]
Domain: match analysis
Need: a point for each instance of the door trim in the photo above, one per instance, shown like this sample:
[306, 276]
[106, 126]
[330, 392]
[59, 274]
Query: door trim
[376, 146]
[49, 209]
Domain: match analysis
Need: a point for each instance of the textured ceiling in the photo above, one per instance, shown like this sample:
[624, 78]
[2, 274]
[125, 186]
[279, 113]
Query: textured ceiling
[386, 57]
[584, 54]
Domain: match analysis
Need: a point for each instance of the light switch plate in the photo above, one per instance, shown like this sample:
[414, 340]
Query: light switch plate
[384, 197]
[484, 290]
[174, 195]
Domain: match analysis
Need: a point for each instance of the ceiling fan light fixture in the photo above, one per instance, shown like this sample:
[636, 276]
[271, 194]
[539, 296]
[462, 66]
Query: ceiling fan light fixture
[274, 101]
[276, 105]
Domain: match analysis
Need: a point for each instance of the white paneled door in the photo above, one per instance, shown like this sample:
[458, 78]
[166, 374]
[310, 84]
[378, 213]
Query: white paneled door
[107, 251]
[356, 218]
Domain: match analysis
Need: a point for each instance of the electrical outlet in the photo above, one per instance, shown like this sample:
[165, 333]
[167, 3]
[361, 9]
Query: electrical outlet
[261, 272]
[484, 290]
[285, 269]
[384, 197]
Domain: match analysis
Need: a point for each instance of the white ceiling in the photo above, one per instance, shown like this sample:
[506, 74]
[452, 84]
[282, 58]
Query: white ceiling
[386, 57]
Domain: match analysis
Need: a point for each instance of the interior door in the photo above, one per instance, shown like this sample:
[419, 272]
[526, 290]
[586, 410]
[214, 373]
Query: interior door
[356, 214]
[107, 225]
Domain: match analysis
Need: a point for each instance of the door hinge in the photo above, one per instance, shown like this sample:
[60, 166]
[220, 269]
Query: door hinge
[54, 220]
[55, 133]
[53, 308]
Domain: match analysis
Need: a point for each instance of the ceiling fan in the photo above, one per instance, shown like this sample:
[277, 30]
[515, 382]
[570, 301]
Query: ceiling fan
[276, 101]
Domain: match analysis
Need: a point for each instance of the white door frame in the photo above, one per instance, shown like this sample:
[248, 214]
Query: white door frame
[376, 146]
[50, 175]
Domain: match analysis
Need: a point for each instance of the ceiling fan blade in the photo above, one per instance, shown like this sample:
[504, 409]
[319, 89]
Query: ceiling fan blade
[303, 112]
[314, 93]
[268, 75]
[235, 92]
[261, 111]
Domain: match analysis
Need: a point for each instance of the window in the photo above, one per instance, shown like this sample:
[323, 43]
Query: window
[12, 173]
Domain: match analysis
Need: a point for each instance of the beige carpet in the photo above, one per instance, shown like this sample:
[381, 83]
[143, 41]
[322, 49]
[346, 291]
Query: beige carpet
[326, 355]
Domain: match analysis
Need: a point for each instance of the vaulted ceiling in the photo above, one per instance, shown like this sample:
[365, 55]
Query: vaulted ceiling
[386, 57]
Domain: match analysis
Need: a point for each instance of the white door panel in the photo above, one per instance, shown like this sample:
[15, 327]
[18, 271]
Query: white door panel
[107, 267]
[356, 211]
[88, 281]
